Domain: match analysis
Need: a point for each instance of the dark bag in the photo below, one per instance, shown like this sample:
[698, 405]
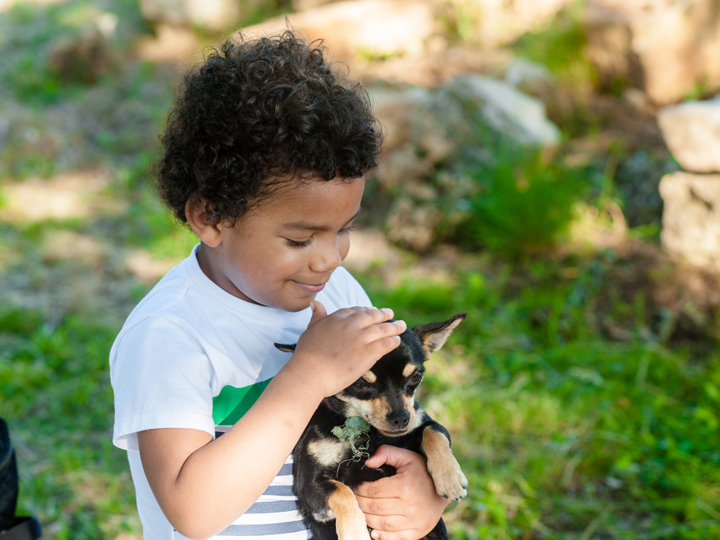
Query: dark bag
[12, 527]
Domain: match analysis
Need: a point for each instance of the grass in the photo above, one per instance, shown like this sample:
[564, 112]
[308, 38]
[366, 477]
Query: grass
[564, 433]
[58, 403]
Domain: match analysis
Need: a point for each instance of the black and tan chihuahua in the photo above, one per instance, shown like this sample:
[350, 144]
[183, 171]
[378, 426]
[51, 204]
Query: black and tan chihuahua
[347, 428]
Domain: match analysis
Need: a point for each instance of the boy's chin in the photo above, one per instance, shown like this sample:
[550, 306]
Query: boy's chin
[294, 306]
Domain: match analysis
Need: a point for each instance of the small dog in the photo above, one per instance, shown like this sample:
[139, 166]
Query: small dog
[347, 428]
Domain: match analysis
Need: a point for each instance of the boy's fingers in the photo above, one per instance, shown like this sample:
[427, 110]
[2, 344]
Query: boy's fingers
[318, 310]
[394, 328]
[385, 345]
[373, 316]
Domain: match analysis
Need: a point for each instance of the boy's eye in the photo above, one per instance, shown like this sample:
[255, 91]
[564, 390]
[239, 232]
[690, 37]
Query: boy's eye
[347, 230]
[299, 243]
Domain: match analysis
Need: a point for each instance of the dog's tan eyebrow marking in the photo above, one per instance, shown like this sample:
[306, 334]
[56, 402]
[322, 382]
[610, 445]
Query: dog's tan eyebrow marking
[409, 370]
[370, 377]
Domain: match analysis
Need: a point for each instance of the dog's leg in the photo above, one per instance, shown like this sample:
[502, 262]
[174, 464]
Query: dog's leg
[350, 520]
[450, 482]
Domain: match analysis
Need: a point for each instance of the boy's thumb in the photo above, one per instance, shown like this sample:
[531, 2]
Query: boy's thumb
[318, 310]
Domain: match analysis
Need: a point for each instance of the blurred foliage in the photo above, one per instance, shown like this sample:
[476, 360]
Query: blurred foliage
[576, 411]
[563, 432]
[560, 47]
[522, 204]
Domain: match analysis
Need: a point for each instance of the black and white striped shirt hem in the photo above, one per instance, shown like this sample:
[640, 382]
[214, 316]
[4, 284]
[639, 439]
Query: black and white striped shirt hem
[274, 516]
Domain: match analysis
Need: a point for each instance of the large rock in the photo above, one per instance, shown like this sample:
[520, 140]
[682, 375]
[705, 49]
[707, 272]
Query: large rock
[210, 14]
[457, 110]
[361, 29]
[432, 134]
[664, 47]
[691, 217]
[692, 133]
[395, 108]
[498, 22]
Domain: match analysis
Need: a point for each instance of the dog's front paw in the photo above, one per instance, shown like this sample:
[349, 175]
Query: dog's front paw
[450, 482]
[349, 519]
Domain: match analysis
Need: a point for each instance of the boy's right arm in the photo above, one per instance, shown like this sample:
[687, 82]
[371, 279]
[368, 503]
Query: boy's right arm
[203, 485]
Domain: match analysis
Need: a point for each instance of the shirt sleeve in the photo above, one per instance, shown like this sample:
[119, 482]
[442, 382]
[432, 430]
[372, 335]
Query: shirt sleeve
[161, 378]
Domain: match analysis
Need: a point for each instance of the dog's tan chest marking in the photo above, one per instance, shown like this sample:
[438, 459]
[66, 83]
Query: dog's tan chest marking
[350, 519]
[327, 452]
[450, 482]
[408, 370]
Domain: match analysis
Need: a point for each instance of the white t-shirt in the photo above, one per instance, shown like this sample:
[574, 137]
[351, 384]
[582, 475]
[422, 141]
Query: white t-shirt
[191, 355]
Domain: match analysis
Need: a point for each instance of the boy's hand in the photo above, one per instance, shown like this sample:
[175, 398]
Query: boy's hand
[337, 349]
[401, 507]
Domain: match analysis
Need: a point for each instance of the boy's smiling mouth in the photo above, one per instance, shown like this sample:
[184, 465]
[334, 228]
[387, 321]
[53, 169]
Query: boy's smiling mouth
[310, 287]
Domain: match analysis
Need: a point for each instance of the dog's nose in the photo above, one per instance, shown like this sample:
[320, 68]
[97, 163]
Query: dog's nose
[399, 419]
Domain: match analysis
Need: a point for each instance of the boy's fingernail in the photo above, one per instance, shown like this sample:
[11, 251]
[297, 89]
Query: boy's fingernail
[375, 534]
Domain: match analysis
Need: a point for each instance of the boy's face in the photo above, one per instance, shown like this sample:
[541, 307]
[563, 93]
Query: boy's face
[282, 254]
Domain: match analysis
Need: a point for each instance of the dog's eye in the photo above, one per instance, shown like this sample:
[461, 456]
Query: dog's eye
[415, 378]
[361, 384]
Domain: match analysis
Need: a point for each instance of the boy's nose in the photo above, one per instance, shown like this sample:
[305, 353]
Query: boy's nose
[326, 258]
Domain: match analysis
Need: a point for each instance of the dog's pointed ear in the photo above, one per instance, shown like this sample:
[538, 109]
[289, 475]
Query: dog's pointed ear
[434, 335]
[285, 348]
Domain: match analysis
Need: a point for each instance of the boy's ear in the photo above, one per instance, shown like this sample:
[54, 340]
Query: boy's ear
[434, 335]
[205, 227]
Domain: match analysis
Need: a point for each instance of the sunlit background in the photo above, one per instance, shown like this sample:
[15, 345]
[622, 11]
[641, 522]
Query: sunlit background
[550, 166]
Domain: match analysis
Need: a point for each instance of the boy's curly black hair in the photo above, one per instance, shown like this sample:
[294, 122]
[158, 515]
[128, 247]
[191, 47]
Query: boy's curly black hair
[257, 112]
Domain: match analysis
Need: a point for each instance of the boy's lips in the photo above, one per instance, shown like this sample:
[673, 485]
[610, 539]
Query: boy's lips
[309, 287]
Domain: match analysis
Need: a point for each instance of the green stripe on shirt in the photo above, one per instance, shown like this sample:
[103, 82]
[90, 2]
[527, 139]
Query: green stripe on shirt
[232, 403]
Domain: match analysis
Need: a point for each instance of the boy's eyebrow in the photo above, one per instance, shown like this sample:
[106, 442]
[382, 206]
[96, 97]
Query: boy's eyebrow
[307, 225]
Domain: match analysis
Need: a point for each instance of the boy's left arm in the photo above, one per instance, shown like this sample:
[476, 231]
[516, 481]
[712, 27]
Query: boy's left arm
[401, 507]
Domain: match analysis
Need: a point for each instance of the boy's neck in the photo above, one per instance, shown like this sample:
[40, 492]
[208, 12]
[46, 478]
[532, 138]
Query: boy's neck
[209, 268]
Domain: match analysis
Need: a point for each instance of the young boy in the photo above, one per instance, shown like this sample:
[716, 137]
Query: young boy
[265, 155]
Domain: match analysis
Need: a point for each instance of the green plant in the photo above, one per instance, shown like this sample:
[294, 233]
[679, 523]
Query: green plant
[560, 47]
[523, 204]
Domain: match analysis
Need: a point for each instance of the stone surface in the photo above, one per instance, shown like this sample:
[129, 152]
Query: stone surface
[691, 217]
[664, 47]
[498, 22]
[394, 108]
[692, 133]
[504, 109]
[361, 29]
[432, 134]
[211, 14]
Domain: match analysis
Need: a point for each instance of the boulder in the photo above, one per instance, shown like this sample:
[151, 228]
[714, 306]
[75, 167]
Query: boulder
[498, 22]
[467, 102]
[691, 217]
[529, 77]
[217, 15]
[394, 109]
[664, 47]
[360, 29]
[692, 133]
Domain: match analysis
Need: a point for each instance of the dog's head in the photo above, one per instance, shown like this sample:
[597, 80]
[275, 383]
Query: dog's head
[385, 395]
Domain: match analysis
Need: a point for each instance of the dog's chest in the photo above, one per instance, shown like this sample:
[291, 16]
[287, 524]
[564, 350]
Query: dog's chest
[329, 451]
